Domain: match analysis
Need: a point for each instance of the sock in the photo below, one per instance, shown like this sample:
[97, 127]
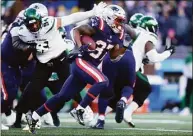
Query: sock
[133, 106]
[92, 93]
[18, 118]
[129, 111]
[101, 117]
[102, 105]
[124, 99]
[126, 92]
[42, 110]
[35, 116]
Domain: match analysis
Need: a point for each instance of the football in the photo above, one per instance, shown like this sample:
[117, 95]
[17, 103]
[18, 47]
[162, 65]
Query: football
[87, 40]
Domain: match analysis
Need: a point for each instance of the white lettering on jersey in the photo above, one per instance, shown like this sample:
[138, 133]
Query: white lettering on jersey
[50, 43]
[101, 46]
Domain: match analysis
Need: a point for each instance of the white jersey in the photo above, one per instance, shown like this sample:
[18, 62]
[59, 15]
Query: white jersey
[48, 37]
[138, 45]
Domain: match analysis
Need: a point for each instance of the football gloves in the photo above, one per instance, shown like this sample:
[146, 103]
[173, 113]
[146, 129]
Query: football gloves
[78, 53]
[170, 48]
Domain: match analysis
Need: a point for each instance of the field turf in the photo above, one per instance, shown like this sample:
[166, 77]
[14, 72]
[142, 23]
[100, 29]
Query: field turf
[152, 124]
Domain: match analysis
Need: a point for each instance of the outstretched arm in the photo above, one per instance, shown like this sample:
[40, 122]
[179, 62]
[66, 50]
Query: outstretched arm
[80, 16]
[20, 45]
[129, 30]
[153, 55]
[17, 43]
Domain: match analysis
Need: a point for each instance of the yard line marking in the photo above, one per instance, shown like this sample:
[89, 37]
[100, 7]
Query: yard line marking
[176, 122]
[144, 129]
[151, 129]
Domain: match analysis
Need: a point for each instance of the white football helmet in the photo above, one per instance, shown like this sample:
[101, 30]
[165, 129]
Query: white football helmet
[43, 11]
[115, 17]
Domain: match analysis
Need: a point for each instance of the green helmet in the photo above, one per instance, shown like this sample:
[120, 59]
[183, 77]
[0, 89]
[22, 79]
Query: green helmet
[135, 19]
[32, 19]
[149, 24]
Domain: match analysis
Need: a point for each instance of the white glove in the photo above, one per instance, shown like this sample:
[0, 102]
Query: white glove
[42, 47]
[98, 9]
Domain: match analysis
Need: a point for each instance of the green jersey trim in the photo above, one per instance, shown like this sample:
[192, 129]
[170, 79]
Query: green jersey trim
[51, 26]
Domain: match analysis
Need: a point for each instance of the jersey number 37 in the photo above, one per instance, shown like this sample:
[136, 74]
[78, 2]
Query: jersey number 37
[102, 49]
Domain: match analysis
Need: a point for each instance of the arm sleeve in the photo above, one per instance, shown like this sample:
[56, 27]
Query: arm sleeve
[20, 45]
[76, 17]
[154, 56]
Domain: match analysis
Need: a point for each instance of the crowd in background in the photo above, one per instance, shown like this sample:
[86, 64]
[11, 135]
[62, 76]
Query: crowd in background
[174, 17]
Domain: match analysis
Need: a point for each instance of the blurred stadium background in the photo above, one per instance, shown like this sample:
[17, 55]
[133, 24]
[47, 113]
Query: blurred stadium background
[169, 78]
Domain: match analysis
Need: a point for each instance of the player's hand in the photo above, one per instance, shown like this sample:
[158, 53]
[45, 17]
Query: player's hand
[99, 8]
[170, 48]
[85, 48]
[145, 61]
[73, 54]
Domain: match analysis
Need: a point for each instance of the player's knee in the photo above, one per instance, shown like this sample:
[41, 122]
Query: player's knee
[104, 82]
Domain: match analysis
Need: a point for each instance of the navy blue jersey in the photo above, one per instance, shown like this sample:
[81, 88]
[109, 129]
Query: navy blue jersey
[12, 56]
[105, 40]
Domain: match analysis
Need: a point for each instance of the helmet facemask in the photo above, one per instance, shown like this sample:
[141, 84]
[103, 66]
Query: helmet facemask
[33, 25]
[115, 17]
[118, 24]
[32, 20]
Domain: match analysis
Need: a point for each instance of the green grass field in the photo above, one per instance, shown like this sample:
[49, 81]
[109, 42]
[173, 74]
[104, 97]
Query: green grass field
[152, 124]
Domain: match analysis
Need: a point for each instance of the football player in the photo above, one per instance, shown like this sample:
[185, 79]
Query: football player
[120, 69]
[107, 36]
[11, 61]
[42, 36]
[143, 46]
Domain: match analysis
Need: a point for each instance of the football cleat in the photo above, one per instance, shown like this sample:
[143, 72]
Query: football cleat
[55, 118]
[99, 124]
[38, 126]
[78, 115]
[131, 124]
[120, 111]
[31, 122]
[73, 114]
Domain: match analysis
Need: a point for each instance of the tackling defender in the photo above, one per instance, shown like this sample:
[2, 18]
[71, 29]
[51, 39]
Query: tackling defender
[13, 60]
[143, 46]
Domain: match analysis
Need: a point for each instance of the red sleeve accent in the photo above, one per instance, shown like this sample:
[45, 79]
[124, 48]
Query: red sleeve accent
[101, 25]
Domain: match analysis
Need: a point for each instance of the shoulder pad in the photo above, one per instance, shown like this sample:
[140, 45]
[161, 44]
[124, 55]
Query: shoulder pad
[48, 23]
[153, 38]
[97, 22]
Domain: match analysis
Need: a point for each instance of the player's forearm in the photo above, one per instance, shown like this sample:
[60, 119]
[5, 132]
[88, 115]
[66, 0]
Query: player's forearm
[76, 17]
[20, 45]
[129, 30]
[76, 37]
[154, 56]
